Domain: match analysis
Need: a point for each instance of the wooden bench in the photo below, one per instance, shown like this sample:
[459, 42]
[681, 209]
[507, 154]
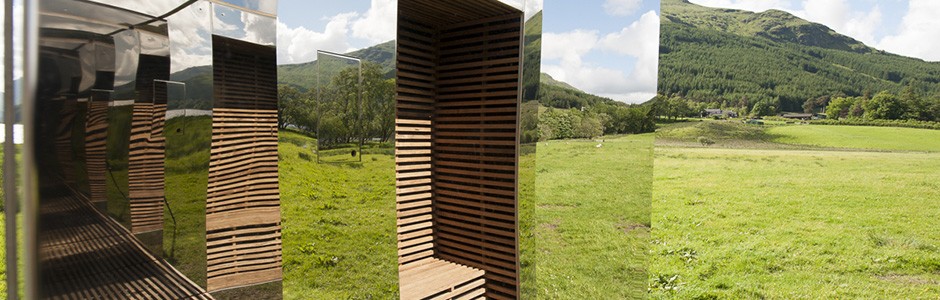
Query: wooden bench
[433, 278]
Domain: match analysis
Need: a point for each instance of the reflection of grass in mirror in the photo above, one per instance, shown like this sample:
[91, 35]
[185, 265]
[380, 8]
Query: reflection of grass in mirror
[338, 222]
[187, 167]
[527, 220]
[593, 206]
[3, 227]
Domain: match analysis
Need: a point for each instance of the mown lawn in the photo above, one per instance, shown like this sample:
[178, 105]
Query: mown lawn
[862, 137]
[339, 237]
[795, 224]
[592, 211]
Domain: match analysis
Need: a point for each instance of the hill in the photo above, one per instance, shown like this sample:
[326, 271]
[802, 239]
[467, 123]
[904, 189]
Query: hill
[303, 75]
[547, 79]
[721, 55]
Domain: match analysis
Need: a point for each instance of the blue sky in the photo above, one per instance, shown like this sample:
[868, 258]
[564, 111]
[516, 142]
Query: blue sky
[605, 47]
[906, 27]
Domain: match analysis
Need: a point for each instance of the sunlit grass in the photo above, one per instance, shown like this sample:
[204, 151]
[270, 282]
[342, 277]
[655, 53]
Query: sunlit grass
[791, 224]
[863, 137]
[592, 209]
[339, 236]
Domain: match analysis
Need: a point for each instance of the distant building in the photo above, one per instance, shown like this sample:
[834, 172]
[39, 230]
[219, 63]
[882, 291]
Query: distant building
[804, 117]
[712, 112]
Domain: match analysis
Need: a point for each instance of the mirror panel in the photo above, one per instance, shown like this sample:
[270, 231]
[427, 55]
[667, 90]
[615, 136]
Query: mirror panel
[339, 108]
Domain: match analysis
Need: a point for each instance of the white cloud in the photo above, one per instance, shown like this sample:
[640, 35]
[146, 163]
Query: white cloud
[918, 32]
[640, 41]
[621, 7]
[259, 29]
[568, 46]
[378, 23]
[189, 31]
[297, 45]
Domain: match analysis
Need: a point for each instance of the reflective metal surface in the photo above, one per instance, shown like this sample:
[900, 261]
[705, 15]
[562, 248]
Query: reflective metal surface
[339, 108]
[528, 138]
[121, 141]
[188, 131]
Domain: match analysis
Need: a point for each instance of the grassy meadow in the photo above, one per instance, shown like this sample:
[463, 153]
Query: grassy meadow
[338, 219]
[861, 137]
[592, 211]
[811, 221]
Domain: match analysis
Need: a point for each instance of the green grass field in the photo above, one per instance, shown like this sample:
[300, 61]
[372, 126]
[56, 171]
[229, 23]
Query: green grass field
[862, 137]
[339, 232]
[592, 215]
[797, 224]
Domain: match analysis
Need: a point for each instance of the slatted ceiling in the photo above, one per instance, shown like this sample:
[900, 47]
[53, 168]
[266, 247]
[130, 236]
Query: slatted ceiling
[243, 203]
[440, 13]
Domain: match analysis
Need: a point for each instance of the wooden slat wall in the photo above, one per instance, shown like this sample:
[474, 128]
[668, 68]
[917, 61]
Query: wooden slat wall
[64, 139]
[458, 85]
[96, 137]
[243, 220]
[475, 156]
[147, 146]
[146, 169]
[415, 106]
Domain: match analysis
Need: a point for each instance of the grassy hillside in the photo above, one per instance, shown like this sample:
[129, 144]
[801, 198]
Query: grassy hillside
[547, 79]
[711, 54]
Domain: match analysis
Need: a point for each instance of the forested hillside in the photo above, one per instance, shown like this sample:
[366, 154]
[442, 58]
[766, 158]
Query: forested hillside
[734, 57]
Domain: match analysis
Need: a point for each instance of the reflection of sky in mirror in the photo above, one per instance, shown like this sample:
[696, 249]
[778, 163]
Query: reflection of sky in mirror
[190, 37]
[151, 7]
[126, 57]
[305, 26]
[242, 25]
[265, 6]
[608, 49]
[154, 44]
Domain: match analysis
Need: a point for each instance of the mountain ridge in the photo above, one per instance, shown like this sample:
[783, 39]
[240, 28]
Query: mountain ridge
[734, 56]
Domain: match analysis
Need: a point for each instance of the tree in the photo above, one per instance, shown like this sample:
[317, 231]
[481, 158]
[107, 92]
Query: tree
[761, 109]
[839, 107]
[884, 105]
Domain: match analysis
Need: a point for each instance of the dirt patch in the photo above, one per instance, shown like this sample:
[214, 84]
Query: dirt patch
[550, 226]
[629, 227]
[552, 206]
[907, 279]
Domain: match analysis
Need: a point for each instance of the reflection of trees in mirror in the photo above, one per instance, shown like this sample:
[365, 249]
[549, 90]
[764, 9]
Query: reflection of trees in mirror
[298, 110]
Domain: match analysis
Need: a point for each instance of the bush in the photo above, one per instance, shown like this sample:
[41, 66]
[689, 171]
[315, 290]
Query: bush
[705, 141]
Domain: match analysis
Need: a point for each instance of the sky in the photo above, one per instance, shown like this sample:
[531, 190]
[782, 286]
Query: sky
[305, 26]
[609, 48]
[905, 27]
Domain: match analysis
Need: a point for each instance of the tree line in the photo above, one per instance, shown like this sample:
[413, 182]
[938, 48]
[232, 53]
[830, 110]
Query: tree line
[339, 117]
[717, 67]
[566, 113]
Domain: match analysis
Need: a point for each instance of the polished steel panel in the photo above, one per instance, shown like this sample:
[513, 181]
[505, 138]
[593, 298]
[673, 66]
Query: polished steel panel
[339, 108]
